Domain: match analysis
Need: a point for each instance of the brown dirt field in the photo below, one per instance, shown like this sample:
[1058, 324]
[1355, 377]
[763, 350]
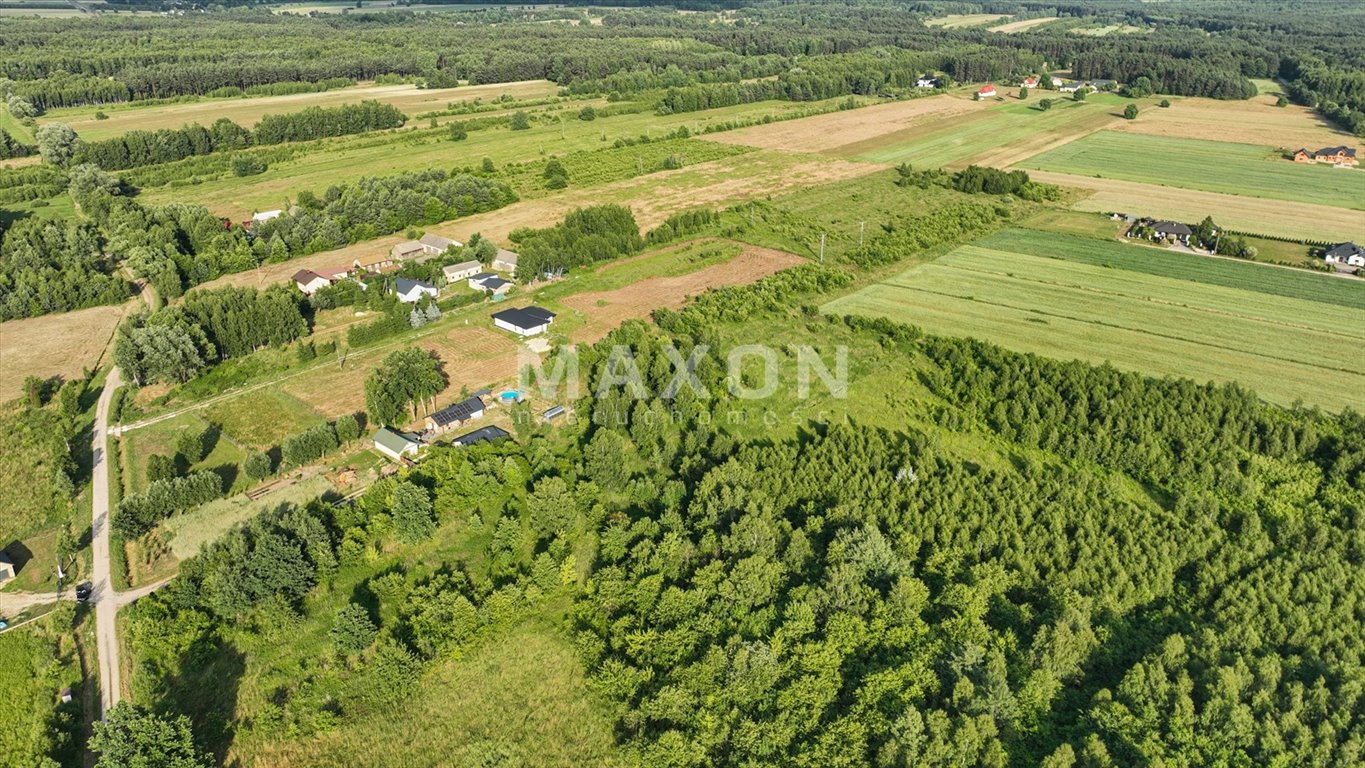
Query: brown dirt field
[1020, 26]
[55, 345]
[823, 133]
[1249, 214]
[1254, 121]
[605, 310]
[652, 198]
[20, 162]
[249, 111]
[474, 356]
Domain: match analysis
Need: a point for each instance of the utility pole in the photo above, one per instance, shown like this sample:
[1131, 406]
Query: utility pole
[822, 247]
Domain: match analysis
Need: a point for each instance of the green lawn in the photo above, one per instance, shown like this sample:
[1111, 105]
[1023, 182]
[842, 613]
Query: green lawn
[204, 524]
[21, 133]
[1284, 348]
[270, 417]
[1212, 166]
[36, 662]
[159, 438]
[1184, 266]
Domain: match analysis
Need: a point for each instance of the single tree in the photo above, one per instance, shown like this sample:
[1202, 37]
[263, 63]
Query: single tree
[1130, 112]
[1045, 104]
[413, 518]
[520, 121]
[347, 427]
[458, 131]
[353, 630]
[57, 143]
[257, 465]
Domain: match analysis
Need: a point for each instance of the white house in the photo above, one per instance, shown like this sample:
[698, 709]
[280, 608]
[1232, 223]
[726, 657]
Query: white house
[257, 218]
[494, 285]
[435, 245]
[524, 321]
[1349, 254]
[986, 91]
[505, 261]
[461, 271]
[476, 280]
[412, 291]
[1057, 82]
[310, 282]
[1031, 81]
[394, 444]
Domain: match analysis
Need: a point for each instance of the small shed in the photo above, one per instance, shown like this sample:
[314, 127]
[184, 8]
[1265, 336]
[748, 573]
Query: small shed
[505, 261]
[394, 444]
[553, 413]
[461, 271]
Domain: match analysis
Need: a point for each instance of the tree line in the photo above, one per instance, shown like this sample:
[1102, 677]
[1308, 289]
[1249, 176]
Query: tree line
[586, 235]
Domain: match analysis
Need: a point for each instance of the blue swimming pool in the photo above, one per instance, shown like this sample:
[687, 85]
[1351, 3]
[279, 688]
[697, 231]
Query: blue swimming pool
[509, 396]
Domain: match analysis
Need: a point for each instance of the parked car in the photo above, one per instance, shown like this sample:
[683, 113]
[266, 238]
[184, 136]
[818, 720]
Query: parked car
[83, 591]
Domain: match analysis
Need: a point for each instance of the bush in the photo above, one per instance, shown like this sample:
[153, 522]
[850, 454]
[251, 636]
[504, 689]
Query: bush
[257, 466]
[247, 165]
[160, 467]
[138, 513]
[353, 631]
[520, 121]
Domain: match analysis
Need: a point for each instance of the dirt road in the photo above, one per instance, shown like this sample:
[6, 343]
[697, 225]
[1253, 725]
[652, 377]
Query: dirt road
[103, 598]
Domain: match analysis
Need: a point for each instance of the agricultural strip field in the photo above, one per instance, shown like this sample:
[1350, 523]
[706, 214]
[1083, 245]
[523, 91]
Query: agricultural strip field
[1023, 25]
[1211, 166]
[348, 159]
[1285, 349]
[836, 130]
[958, 20]
[1006, 133]
[248, 111]
[1253, 121]
[1246, 214]
[55, 345]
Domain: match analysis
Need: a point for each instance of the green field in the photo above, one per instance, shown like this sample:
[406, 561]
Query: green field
[36, 662]
[1286, 349]
[1212, 166]
[998, 130]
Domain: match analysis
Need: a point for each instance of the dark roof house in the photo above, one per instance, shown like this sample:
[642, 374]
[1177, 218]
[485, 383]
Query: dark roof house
[525, 321]
[482, 435]
[1172, 229]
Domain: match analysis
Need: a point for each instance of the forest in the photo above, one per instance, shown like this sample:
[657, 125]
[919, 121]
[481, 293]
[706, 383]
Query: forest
[1159, 573]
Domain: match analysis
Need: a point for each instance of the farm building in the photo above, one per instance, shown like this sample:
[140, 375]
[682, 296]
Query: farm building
[408, 249]
[6, 568]
[985, 92]
[524, 321]
[505, 261]
[482, 435]
[461, 271]
[455, 415]
[435, 245]
[394, 444]
[335, 273]
[1334, 155]
[382, 264]
[1349, 254]
[309, 281]
[412, 291]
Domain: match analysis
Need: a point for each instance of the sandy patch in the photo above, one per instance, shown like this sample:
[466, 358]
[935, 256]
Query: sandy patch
[605, 310]
[1021, 26]
[823, 133]
[55, 345]
[1247, 214]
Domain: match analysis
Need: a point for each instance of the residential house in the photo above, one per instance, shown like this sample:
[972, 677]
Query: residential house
[435, 245]
[408, 249]
[257, 218]
[1102, 85]
[398, 446]
[1070, 86]
[412, 291]
[1057, 82]
[1348, 254]
[487, 434]
[309, 281]
[6, 568]
[1032, 81]
[985, 92]
[927, 82]
[1172, 230]
[454, 415]
[505, 261]
[495, 285]
[524, 321]
[1345, 156]
[476, 280]
[461, 271]
[335, 273]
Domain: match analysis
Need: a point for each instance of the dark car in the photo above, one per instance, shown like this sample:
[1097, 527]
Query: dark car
[83, 591]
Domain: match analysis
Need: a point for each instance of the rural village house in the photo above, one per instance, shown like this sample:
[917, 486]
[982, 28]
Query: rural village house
[408, 249]
[493, 284]
[482, 435]
[505, 261]
[396, 445]
[310, 282]
[475, 281]
[524, 321]
[6, 568]
[1334, 155]
[1031, 81]
[1172, 230]
[435, 245]
[455, 415]
[1349, 254]
[985, 92]
[412, 291]
[461, 271]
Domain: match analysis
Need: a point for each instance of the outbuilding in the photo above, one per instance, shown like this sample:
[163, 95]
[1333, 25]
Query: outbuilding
[398, 446]
[435, 245]
[553, 413]
[408, 249]
[524, 321]
[505, 261]
[461, 271]
[487, 434]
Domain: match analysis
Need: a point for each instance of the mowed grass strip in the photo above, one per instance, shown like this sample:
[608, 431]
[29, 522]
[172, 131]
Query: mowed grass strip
[1154, 332]
[1272, 281]
[1214, 166]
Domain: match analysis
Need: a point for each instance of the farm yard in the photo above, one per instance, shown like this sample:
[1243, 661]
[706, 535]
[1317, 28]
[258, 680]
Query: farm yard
[1210, 166]
[1286, 349]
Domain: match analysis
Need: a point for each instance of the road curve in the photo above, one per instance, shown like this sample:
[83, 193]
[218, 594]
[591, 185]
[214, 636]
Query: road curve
[102, 596]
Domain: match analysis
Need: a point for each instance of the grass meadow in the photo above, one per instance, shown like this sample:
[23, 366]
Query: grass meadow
[1286, 349]
[37, 661]
[959, 20]
[1237, 169]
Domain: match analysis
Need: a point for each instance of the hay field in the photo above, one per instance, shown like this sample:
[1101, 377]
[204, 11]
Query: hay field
[1285, 349]
[958, 20]
[1023, 25]
[1253, 121]
[1247, 214]
[1002, 134]
[836, 130]
[55, 345]
[248, 111]
[1211, 166]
